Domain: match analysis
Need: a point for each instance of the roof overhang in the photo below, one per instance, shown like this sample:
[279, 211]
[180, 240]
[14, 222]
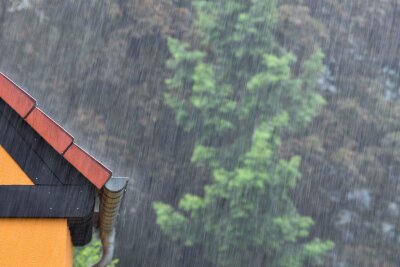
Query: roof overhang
[57, 137]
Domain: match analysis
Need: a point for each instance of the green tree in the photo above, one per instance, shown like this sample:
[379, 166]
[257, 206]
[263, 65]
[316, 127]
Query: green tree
[236, 91]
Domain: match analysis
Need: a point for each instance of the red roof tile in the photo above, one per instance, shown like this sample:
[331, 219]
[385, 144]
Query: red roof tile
[93, 170]
[15, 97]
[53, 133]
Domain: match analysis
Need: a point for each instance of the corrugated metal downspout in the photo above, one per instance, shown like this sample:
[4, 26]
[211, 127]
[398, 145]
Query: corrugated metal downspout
[111, 196]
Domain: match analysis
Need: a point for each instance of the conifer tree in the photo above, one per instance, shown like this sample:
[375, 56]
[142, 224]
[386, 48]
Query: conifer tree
[237, 91]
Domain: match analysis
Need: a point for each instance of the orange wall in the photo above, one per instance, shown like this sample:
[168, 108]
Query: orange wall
[10, 172]
[31, 242]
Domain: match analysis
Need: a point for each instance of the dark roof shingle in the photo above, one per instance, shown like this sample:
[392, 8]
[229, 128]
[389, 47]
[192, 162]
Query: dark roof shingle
[58, 138]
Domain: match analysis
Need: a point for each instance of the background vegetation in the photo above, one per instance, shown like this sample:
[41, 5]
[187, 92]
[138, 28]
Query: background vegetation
[188, 97]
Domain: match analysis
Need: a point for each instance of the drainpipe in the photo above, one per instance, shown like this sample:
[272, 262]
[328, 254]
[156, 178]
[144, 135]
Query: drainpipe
[110, 202]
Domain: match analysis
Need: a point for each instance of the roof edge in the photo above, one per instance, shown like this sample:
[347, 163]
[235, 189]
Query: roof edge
[54, 134]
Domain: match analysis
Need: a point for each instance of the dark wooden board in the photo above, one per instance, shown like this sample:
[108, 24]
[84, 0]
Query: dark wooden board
[34, 155]
[60, 191]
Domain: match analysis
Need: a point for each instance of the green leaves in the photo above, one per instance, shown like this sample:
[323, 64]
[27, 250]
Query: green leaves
[312, 70]
[315, 250]
[236, 98]
[90, 254]
[247, 206]
[213, 103]
[191, 203]
[171, 222]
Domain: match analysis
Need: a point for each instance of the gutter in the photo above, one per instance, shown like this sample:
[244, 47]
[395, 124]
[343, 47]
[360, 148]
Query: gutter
[110, 202]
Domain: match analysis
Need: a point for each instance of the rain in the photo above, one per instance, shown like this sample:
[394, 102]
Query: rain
[253, 132]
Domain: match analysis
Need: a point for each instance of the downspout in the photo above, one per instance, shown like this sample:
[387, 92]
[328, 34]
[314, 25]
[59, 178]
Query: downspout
[110, 202]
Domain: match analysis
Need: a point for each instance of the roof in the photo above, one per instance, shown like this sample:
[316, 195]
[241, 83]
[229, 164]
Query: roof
[63, 176]
[59, 190]
[57, 137]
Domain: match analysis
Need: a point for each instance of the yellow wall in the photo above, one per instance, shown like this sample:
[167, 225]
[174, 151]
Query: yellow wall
[31, 242]
[10, 172]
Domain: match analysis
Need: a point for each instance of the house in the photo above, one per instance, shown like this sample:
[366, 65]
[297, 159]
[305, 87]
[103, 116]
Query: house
[52, 191]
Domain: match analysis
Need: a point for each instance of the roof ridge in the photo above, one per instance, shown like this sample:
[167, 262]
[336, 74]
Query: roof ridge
[54, 134]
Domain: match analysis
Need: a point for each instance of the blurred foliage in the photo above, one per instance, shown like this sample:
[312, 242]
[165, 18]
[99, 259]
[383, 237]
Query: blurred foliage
[349, 151]
[99, 68]
[89, 255]
[236, 93]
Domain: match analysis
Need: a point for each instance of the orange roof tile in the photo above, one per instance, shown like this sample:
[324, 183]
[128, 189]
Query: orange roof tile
[93, 170]
[15, 97]
[53, 133]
